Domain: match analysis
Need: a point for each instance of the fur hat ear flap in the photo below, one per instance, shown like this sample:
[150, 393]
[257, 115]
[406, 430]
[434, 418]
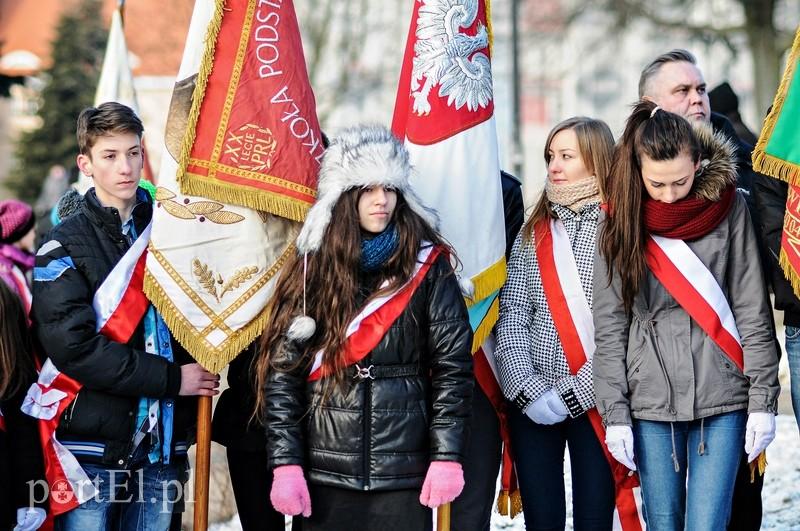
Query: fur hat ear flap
[319, 216]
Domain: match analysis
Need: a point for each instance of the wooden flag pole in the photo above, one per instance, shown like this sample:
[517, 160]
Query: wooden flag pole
[443, 517]
[203, 463]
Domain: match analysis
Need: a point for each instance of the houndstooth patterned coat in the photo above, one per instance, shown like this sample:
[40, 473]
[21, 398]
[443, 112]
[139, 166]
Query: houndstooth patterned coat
[529, 354]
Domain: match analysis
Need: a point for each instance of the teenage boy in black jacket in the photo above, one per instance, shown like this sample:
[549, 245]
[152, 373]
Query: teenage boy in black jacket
[132, 420]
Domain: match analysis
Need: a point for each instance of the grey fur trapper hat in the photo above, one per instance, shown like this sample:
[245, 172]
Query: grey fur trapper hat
[359, 157]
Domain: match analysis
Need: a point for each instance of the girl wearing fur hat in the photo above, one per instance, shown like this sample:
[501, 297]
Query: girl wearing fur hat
[685, 370]
[364, 378]
[546, 375]
[17, 234]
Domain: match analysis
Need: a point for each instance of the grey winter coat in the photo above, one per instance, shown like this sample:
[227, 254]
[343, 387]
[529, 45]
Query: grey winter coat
[658, 364]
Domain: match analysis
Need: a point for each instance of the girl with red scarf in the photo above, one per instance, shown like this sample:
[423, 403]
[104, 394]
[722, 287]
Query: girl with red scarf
[685, 367]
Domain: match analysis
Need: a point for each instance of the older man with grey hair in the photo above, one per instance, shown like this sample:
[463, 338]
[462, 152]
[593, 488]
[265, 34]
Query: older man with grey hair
[675, 83]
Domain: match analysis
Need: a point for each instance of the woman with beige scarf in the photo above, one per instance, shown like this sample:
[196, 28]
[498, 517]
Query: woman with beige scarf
[545, 338]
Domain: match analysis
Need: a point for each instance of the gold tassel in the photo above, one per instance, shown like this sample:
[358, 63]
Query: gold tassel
[759, 463]
[509, 505]
[503, 503]
[516, 503]
[788, 271]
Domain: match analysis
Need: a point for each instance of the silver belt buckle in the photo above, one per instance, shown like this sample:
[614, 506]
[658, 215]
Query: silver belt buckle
[363, 373]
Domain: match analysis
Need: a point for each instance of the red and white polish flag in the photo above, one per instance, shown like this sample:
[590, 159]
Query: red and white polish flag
[444, 112]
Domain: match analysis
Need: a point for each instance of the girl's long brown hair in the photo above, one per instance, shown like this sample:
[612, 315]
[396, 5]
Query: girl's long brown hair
[332, 288]
[659, 135]
[595, 143]
[16, 363]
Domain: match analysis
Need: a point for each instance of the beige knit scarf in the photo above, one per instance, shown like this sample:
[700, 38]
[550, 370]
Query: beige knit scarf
[575, 195]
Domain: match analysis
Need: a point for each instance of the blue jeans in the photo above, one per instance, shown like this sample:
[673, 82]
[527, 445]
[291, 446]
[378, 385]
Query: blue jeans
[539, 459]
[793, 356]
[142, 498]
[704, 502]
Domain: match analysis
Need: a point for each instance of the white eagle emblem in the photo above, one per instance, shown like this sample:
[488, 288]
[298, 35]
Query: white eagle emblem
[442, 56]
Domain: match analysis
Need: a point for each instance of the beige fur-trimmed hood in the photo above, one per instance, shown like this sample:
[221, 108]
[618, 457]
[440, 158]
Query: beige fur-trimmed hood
[717, 163]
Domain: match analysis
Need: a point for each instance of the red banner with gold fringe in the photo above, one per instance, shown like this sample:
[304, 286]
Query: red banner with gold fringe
[253, 137]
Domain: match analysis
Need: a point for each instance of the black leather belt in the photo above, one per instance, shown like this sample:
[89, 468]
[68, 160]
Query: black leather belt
[385, 371]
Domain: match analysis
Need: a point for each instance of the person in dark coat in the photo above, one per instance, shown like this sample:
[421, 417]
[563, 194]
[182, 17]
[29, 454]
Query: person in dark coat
[245, 444]
[725, 102]
[365, 374]
[22, 494]
[472, 510]
[135, 413]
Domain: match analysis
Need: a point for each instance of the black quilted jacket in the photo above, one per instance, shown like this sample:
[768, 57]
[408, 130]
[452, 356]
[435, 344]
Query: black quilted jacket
[381, 434]
[114, 375]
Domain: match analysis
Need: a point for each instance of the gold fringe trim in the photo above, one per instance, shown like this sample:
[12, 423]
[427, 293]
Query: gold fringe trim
[509, 504]
[789, 272]
[762, 161]
[774, 167]
[760, 464]
[280, 205]
[487, 324]
[489, 27]
[204, 72]
[488, 281]
[213, 359]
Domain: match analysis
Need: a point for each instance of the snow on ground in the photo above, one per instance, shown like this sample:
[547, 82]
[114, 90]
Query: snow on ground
[782, 485]
[781, 490]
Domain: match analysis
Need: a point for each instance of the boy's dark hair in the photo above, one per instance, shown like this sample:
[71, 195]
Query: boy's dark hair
[105, 119]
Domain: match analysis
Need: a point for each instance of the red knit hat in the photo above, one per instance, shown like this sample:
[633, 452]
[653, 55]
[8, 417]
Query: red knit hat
[16, 219]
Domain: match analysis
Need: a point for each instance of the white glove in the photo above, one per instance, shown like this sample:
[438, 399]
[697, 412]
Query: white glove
[619, 440]
[555, 403]
[760, 432]
[29, 518]
[540, 412]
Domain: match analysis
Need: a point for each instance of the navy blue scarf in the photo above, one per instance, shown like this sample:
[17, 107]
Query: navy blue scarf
[375, 251]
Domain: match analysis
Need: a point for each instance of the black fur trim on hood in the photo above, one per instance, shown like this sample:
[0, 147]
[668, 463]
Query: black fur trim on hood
[717, 163]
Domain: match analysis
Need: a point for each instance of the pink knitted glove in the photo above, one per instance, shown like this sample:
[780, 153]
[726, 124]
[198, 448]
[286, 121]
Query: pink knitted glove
[443, 483]
[289, 494]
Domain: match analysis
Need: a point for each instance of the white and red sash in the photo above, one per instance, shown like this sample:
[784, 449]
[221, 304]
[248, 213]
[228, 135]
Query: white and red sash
[119, 306]
[693, 286]
[122, 290]
[572, 318]
[367, 328]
